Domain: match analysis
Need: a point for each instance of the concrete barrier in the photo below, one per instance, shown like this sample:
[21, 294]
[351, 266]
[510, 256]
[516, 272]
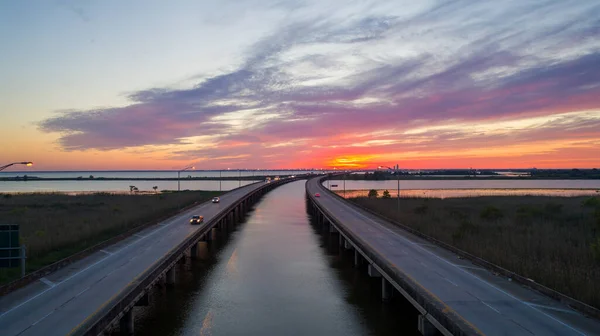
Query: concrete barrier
[529, 283]
[125, 300]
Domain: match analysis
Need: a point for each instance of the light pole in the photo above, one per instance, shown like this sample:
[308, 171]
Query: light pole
[240, 177]
[179, 176]
[398, 178]
[27, 163]
[220, 179]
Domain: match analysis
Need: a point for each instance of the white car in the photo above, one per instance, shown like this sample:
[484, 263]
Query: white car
[216, 200]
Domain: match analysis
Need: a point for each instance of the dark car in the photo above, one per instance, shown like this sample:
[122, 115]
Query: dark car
[196, 219]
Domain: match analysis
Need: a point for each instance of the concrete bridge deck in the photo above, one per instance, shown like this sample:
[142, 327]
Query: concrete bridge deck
[60, 302]
[454, 295]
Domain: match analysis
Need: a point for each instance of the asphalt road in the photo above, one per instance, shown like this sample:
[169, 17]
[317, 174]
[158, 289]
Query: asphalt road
[59, 302]
[493, 304]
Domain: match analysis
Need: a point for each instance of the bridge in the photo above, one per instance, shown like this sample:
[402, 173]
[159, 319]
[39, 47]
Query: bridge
[452, 295]
[99, 292]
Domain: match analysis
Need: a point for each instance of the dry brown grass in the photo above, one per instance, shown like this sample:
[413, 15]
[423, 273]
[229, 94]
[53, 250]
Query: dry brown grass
[54, 226]
[553, 240]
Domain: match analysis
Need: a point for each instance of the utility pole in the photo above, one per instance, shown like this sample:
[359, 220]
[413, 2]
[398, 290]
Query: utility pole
[398, 192]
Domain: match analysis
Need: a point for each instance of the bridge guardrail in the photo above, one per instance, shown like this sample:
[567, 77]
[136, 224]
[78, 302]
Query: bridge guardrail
[428, 303]
[104, 316]
[527, 282]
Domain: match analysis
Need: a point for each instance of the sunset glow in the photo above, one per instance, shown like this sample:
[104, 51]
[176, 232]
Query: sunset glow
[300, 84]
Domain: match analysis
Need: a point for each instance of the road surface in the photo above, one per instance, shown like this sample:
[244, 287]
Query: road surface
[57, 303]
[492, 304]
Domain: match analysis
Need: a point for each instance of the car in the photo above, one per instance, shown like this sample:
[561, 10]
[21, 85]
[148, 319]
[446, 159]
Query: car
[317, 195]
[216, 200]
[196, 219]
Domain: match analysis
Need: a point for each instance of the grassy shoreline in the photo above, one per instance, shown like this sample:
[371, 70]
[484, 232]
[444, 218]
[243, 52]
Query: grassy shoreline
[55, 226]
[552, 240]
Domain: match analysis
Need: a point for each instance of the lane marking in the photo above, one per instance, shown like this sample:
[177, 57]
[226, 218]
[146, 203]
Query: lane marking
[450, 281]
[356, 211]
[553, 308]
[83, 291]
[470, 267]
[492, 308]
[105, 251]
[40, 320]
[172, 221]
[139, 235]
[48, 282]
[85, 269]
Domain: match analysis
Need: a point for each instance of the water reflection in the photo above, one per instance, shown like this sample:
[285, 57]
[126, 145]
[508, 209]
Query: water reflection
[275, 275]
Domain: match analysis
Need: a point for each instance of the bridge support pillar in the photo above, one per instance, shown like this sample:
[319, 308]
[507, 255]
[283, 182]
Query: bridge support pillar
[332, 229]
[357, 259]
[425, 327]
[171, 276]
[194, 251]
[341, 240]
[386, 290]
[373, 272]
[126, 323]
[347, 244]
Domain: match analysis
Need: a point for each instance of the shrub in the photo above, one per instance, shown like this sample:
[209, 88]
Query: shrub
[552, 209]
[595, 248]
[373, 193]
[591, 202]
[386, 194]
[491, 213]
[421, 209]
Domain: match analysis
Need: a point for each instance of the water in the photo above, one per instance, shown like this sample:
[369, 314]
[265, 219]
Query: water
[123, 185]
[150, 173]
[275, 276]
[468, 188]
[115, 186]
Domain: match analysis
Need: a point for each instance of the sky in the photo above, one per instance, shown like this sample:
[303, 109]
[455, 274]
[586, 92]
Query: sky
[256, 84]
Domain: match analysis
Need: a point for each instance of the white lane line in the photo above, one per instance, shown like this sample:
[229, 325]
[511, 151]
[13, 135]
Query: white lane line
[552, 308]
[40, 320]
[173, 221]
[492, 308]
[83, 291]
[468, 273]
[139, 235]
[450, 282]
[420, 262]
[48, 282]
[105, 251]
[470, 267]
[80, 272]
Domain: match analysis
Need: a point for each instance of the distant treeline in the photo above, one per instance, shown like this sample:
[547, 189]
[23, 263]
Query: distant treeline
[92, 178]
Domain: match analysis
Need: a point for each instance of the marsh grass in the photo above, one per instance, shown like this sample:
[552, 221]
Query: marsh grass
[55, 226]
[552, 240]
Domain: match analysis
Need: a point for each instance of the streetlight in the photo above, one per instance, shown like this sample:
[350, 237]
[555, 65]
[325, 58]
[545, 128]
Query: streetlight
[240, 177]
[179, 176]
[27, 163]
[220, 178]
[398, 177]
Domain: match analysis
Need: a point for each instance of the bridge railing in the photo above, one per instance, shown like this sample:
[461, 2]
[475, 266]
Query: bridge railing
[429, 305]
[527, 282]
[118, 305]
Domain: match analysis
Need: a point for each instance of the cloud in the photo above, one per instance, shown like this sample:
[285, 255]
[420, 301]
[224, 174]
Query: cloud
[454, 62]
